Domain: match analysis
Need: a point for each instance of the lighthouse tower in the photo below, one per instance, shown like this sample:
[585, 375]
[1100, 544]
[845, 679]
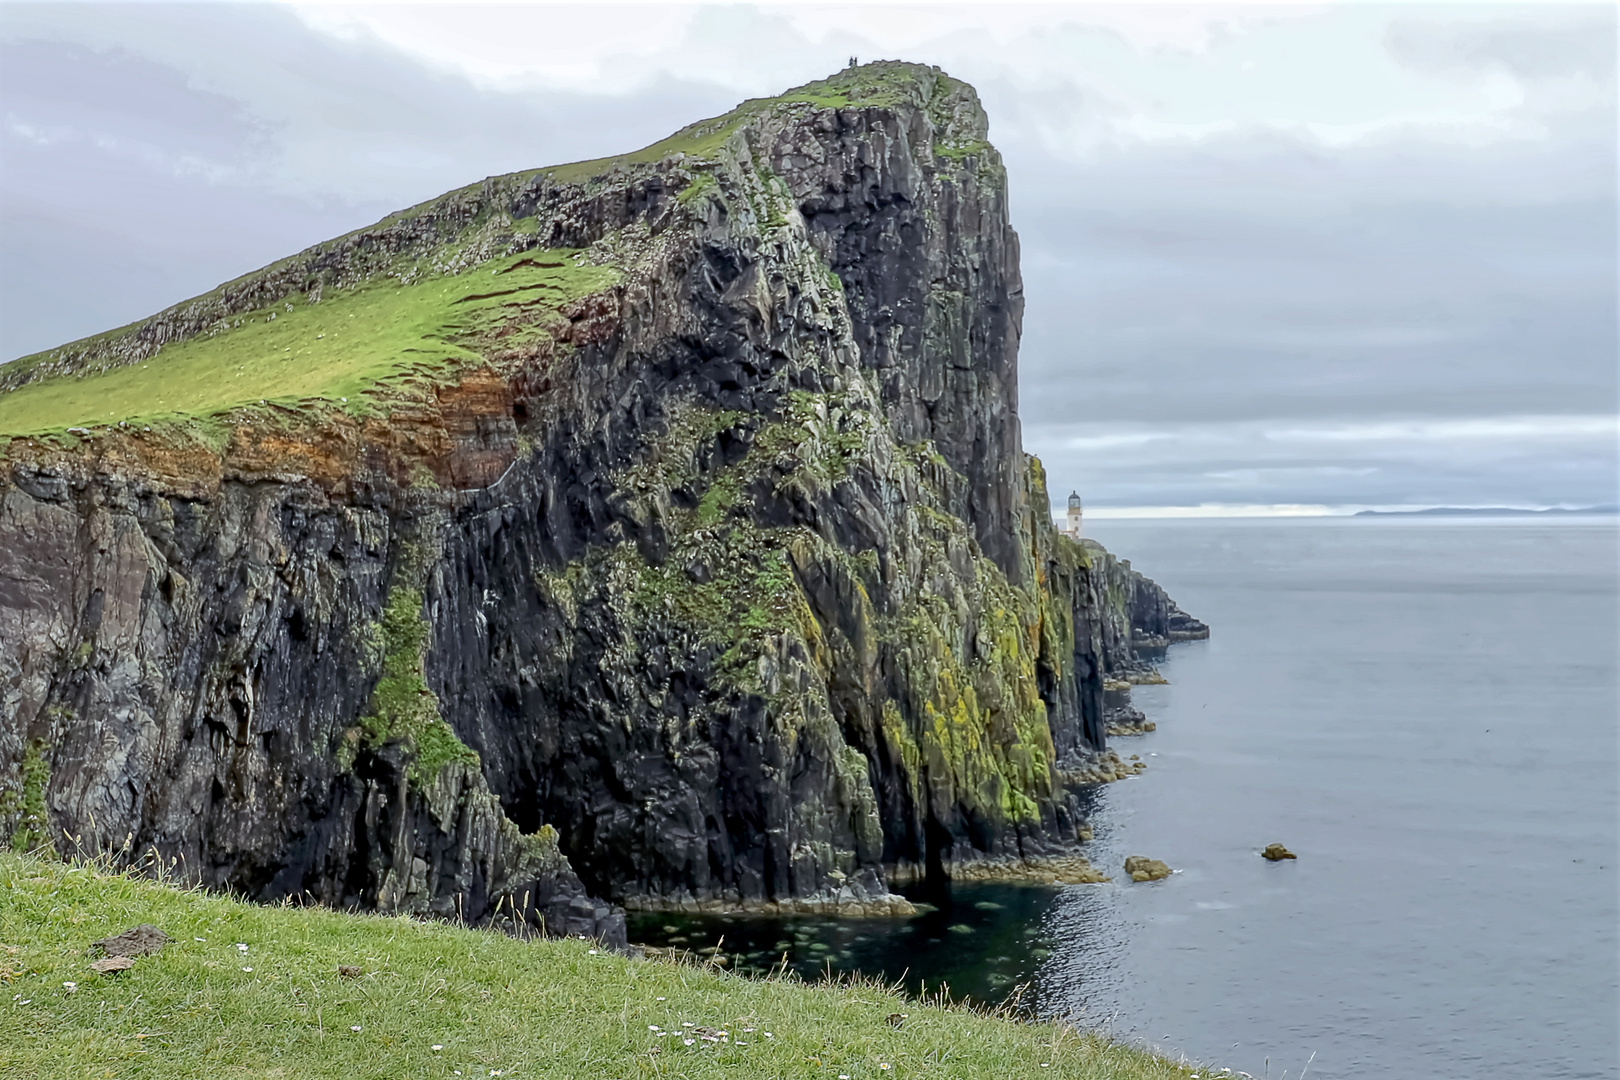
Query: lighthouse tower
[1072, 528]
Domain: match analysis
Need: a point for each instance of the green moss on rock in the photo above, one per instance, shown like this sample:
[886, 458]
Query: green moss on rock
[403, 709]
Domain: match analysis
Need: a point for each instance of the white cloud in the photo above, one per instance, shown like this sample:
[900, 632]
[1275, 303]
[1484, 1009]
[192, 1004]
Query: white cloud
[600, 47]
[1087, 76]
[40, 134]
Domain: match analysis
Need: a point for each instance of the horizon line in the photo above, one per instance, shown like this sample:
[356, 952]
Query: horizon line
[1315, 510]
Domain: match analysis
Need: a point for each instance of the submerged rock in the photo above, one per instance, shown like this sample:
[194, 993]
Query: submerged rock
[1276, 853]
[1045, 870]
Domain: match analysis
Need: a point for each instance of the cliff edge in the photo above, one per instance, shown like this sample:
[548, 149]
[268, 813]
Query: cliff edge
[649, 531]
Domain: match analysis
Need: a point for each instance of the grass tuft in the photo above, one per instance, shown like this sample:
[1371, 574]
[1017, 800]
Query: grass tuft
[26, 802]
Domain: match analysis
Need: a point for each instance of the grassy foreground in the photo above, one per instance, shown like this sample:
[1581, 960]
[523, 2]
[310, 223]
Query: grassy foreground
[245, 990]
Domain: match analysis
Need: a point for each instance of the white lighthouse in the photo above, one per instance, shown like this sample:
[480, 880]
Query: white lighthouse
[1072, 527]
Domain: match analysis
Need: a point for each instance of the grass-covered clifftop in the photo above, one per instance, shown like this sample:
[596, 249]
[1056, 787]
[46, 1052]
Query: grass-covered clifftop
[244, 990]
[340, 350]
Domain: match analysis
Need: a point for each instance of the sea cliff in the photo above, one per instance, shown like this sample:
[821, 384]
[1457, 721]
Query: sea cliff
[653, 531]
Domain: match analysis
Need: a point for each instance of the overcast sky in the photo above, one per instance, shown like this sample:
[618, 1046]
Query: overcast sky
[1325, 255]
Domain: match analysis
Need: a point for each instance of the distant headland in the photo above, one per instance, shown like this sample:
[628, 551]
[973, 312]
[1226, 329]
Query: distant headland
[1490, 511]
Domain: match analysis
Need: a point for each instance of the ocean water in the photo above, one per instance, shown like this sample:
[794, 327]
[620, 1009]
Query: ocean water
[1428, 713]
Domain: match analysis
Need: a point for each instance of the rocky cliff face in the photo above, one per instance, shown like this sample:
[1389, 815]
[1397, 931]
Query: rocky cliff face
[721, 580]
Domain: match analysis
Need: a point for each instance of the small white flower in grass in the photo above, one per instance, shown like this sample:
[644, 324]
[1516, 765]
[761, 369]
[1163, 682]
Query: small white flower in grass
[688, 1042]
[241, 946]
[687, 1023]
[652, 1027]
[885, 1066]
[70, 987]
[843, 1076]
[660, 999]
[248, 970]
[437, 1047]
[768, 1035]
[354, 1027]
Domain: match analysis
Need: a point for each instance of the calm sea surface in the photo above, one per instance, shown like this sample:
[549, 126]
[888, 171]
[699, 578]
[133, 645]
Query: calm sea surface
[1429, 715]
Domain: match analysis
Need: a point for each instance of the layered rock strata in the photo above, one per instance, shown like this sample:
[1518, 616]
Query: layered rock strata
[727, 584]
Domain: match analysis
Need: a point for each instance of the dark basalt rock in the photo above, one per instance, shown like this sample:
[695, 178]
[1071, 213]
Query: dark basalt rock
[738, 591]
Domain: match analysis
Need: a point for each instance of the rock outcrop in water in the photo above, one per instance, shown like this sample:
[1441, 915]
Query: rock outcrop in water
[720, 579]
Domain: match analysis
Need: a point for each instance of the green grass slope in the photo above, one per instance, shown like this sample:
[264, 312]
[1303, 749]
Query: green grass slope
[342, 350]
[244, 990]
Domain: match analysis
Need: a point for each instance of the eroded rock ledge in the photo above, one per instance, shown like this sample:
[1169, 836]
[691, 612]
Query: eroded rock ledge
[729, 586]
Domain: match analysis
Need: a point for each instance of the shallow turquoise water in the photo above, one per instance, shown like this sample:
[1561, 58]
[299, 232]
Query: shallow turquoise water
[1429, 714]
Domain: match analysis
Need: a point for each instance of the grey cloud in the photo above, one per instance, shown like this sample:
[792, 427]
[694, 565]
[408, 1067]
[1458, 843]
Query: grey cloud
[120, 104]
[1249, 463]
[350, 119]
[1255, 276]
[1391, 310]
[129, 184]
[1557, 41]
[1195, 292]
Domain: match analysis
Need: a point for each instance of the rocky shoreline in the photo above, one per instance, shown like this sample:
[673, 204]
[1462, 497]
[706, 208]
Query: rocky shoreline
[846, 903]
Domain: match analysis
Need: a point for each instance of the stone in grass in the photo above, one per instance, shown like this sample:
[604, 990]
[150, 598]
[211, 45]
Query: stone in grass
[111, 965]
[1142, 868]
[1276, 853]
[142, 940]
[349, 971]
